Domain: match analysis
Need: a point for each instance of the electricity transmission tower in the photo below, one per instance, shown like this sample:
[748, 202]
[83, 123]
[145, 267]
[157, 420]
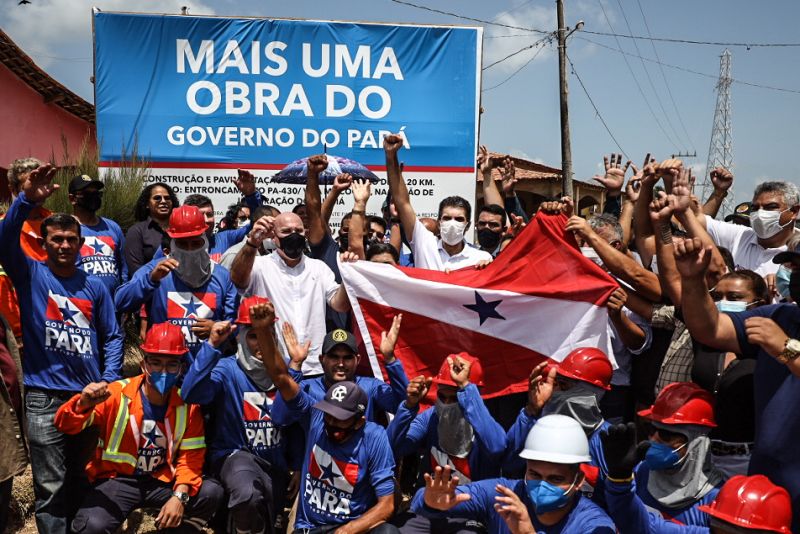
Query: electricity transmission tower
[720, 150]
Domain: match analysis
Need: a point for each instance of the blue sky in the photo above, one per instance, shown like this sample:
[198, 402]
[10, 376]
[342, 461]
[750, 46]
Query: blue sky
[521, 116]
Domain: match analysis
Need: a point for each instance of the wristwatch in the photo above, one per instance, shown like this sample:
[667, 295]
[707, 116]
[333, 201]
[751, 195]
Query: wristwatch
[791, 350]
[182, 496]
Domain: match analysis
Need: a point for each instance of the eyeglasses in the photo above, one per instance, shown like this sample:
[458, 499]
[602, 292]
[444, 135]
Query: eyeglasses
[160, 198]
[665, 435]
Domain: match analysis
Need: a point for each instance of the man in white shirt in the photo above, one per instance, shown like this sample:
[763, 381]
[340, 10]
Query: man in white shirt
[773, 214]
[450, 251]
[298, 287]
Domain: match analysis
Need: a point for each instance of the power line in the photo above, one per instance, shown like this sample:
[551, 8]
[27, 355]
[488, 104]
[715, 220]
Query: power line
[604, 34]
[512, 54]
[664, 77]
[636, 80]
[597, 111]
[686, 69]
[649, 78]
[519, 69]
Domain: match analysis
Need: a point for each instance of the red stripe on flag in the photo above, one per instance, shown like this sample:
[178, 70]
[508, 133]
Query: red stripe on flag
[541, 261]
[423, 344]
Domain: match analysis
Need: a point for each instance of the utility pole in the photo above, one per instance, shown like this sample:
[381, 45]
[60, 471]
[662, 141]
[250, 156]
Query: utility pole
[563, 91]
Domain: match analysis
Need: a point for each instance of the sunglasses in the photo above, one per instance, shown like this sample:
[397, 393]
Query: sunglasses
[160, 198]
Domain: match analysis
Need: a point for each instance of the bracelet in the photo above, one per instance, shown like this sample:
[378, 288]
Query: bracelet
[359, 212]
[620, 480]
[249, 244]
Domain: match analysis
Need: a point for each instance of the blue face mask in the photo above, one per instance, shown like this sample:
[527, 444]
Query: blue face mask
[661, 456]
[782, 278]
[163, 381]
[545, 496]
[731, 306]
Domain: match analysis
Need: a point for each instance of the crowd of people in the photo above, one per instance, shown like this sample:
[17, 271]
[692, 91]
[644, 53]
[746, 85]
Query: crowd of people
[253, 409]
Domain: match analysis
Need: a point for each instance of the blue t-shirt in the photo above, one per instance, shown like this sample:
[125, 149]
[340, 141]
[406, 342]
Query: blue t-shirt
[380, 395]
[411, 431]
[777, 396]
[241, 412]
[632, 517]
[584, 518]
[103, 253]
[339, 482]
[686, 515]
[152, 437]
[172, 300]
[69, 326]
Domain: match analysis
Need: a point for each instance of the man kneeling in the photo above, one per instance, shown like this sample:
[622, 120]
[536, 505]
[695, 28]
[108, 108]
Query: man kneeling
[152, 445]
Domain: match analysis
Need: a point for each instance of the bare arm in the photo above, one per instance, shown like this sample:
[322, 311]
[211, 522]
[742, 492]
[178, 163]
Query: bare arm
[317, 226]
[705, 323]
[643, 230]
[243, 262]
[631, 335]
[263, 317]
[397, 185]
[358, 219]
[379, 513]
[491, 194]
[639, 305]
[722, 179]
[340, 185]
[661, 211]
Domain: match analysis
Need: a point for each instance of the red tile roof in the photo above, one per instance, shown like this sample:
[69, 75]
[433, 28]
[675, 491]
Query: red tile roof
[530, 170]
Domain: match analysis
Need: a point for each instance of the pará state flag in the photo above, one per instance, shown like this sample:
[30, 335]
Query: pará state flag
[541, 298]
[335, 473]
[69, 310]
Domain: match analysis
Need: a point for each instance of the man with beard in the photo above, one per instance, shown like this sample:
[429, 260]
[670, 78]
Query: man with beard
[298, 287]
[573, 388]
[246, 450]
[187, 288]
[339, 361]
[102, 254]
[347, 475]
[458, 431]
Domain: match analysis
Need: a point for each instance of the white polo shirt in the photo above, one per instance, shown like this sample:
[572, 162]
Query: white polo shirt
[742, 241]
[430, 254]
[299, 295]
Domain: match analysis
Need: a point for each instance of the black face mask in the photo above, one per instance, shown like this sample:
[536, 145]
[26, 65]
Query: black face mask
[488, 239]
[340, 435]
[90, 201]
[293, 245]
[794, 285]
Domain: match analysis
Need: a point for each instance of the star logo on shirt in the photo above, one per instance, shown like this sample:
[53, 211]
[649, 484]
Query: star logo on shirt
[150, 438]
[264, 408]
[328, 474]
[485, 310]
[191, 307]
[67, 313]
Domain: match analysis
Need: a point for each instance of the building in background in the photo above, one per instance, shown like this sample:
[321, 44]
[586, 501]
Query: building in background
[38, 115]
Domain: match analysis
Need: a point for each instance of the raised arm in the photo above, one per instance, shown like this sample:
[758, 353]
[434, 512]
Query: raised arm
[317, 226]
[491, 195]
[242, 266]
[397, 185]
[203, 382]
[263, 317]
[340, 184]
[631, 334]
[508, 172]
[613, 180]
[358, 220]
[722, 179]
[642, 229]
[661, 211]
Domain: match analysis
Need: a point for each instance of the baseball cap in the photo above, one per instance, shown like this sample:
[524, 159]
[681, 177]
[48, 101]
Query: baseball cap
[81, 182]
[741, 211]
[788, 256]
[343, 400]
[339, 337]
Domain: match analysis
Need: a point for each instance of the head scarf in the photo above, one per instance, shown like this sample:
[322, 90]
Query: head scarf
[194, 266]
[693, 478]
[455, 432]
[250, 363]
[579, 402]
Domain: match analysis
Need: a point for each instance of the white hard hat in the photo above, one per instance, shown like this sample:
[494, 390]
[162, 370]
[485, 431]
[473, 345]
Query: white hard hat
[558, 439]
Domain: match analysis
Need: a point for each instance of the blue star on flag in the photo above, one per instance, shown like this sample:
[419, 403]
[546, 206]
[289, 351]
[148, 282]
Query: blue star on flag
[191, 307]
[67, 313]
[151, 437]
[327, 473]
[485, 310]
[264, 409]
[98, 247]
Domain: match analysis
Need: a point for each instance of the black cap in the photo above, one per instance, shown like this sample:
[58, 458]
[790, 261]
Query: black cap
[741, 211]
[81, 182]
[788, 256]
[339, 337]
[343, 400]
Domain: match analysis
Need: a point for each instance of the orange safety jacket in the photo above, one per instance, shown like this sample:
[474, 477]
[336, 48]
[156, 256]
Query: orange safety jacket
[119, 418]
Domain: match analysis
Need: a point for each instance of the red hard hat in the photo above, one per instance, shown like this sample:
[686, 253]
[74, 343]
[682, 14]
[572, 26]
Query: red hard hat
[244, 308]
[682, 403]
[587, 364]
[165, 338]
[475, 371]
[753, 503]
[186, 221]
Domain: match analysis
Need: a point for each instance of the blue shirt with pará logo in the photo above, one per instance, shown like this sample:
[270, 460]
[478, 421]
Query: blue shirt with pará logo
[152, 437]
[241, 411]
[172, 300]
[339, 481]
[103, 253]
[69, 326]
[585, 517]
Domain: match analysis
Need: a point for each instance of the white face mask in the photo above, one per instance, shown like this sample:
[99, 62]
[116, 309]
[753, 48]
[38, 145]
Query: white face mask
[767, 223]
[194, 266]
[452, 231]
